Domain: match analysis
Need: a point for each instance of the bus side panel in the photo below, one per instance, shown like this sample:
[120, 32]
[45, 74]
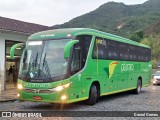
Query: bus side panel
[147, 73]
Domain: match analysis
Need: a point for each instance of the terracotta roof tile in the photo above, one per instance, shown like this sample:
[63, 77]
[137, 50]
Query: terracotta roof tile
[8, 24]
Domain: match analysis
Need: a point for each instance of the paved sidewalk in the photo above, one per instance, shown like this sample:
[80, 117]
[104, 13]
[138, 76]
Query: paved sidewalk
[8, 95]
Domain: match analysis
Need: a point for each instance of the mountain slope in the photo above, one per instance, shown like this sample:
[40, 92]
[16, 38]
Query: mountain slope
[118, 18]
[153, 29]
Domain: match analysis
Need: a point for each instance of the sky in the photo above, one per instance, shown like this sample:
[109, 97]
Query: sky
[51, 12]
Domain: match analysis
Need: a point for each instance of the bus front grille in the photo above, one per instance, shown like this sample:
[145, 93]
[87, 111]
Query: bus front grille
[38, 90]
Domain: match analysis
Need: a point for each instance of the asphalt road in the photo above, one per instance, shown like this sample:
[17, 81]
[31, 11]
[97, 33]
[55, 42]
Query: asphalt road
[148, 100]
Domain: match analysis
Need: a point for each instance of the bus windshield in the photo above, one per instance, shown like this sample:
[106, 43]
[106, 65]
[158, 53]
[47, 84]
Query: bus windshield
[43, 60]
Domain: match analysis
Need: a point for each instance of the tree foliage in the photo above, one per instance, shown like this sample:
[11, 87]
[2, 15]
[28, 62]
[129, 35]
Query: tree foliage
[138, 36]
[154, 43]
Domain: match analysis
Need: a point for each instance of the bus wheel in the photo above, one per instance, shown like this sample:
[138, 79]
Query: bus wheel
[139, 86]
[93, 95]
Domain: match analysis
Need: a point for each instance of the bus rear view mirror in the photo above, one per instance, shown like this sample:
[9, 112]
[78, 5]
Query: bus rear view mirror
[12, 50]
[67, 48]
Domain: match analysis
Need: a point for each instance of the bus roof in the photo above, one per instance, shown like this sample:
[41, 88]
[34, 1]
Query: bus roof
[72, 32]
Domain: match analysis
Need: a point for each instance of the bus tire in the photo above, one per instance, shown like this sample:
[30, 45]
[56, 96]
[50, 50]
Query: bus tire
[138, 88]
[93, 95]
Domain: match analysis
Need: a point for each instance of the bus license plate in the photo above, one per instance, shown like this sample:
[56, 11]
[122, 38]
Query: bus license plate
[37, 97]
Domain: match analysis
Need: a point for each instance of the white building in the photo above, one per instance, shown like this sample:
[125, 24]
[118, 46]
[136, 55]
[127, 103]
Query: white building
[11, 32]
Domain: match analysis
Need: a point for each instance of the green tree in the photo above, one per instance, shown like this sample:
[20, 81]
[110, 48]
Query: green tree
[138, 36]
[154, 43]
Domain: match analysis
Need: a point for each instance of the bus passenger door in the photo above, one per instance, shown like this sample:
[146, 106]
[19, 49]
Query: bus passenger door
[76, 66]
[75, 74]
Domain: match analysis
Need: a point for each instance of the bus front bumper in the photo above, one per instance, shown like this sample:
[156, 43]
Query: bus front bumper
[54, 97]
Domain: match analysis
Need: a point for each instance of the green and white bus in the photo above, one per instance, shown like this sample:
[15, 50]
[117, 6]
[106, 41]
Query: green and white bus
[75, 64]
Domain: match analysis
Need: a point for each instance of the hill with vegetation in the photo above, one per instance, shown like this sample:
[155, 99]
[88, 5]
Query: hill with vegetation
[118, 18]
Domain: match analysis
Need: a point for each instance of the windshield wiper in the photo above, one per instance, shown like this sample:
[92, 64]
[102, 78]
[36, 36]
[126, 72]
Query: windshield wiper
[35, 61]
[32, 71]
[45, 66]
[44, 59]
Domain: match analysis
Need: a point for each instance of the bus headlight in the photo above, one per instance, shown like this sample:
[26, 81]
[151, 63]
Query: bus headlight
[18, 95]
[63, 97]
[59, 88]
[20, 87]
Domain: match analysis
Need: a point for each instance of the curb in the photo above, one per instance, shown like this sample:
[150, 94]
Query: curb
[9, 100]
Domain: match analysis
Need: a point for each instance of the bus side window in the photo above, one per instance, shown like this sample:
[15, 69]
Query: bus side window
[84, 42]
[100, 49]
[76, 59]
